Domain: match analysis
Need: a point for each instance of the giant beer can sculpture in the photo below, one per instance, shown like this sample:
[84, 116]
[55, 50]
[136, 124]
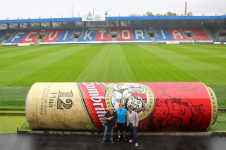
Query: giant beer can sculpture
[82, 105]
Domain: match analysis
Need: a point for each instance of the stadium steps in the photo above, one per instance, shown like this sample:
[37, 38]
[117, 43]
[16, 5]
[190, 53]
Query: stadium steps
[191, 32]
[12, 35]
[113, 39]
[182, 32]
[37, 43]
[38, 35]
[118, 33]
[75, 39]
[4, 37]
[191, 39]
[155, 33]
[153, 40]
[146, 32]
[218, 32]
[208, 33]
[46, 34]
[73, 33]
[109, 32]
[81, 34]
[12, 112]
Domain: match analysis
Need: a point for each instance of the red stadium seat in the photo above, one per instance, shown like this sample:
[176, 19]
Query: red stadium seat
[52, 35]
[200, 35]
[101, 35]
[126, 34]
[177, 35]
[30, 37]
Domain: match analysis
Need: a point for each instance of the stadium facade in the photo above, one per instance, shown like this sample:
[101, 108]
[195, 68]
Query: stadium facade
[137, 29]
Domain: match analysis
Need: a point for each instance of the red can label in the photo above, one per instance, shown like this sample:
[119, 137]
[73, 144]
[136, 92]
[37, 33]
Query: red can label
[159, 105]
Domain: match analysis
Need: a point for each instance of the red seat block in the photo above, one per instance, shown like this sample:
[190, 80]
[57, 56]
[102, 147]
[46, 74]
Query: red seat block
[200, 35]
[52, 35]
[177, 35]
[30, 37]
[101, 35]
[125, 35]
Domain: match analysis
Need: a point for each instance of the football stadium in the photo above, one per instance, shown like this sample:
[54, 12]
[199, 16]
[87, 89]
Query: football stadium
[177, 50]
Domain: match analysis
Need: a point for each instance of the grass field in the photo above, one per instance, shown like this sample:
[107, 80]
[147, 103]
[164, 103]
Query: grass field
[20, 67]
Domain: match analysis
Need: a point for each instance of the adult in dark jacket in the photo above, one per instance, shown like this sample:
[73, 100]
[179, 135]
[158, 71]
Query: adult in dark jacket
[111, 120]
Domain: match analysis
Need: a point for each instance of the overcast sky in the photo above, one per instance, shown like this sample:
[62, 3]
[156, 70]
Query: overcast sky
[13, 9]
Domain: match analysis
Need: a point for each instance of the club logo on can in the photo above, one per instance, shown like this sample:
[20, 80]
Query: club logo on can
[138, 96]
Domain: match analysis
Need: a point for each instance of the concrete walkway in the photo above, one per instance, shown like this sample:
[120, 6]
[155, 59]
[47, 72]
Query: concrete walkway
[92, 142]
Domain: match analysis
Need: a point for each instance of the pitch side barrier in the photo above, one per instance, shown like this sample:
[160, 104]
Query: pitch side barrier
[96, 42]
[220, 43]
[18, 44]
[174, 42]
[183, 42]
[113, 42]
[204, 42]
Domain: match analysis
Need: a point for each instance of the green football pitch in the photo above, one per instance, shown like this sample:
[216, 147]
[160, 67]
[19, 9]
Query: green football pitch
[20, 67]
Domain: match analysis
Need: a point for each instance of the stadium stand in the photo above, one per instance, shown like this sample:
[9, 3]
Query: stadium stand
[30, 37]
[66, 35]
[163, 34]
[200, 35]
[17, 36]
[52, 35]
[88, 35]
[125, 34]
[139, 35]
[131, 29]
[101, 35]
[177, 35]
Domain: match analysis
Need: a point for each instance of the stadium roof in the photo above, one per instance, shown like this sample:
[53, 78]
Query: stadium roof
[116, 18]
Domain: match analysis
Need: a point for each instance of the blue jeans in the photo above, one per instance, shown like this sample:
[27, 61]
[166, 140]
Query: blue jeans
[133, 133]
[106, 131]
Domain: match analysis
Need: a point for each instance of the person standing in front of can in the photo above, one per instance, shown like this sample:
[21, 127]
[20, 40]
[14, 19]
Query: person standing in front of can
[132, 122]
[110, 118]
[121, 121]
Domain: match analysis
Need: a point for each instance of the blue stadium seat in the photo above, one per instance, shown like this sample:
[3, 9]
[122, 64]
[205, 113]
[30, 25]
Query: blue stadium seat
[2, 33]
[139, 35]
[164, 34]
[88, 35]
[11, 33]
[18, 36]
[65, 35]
